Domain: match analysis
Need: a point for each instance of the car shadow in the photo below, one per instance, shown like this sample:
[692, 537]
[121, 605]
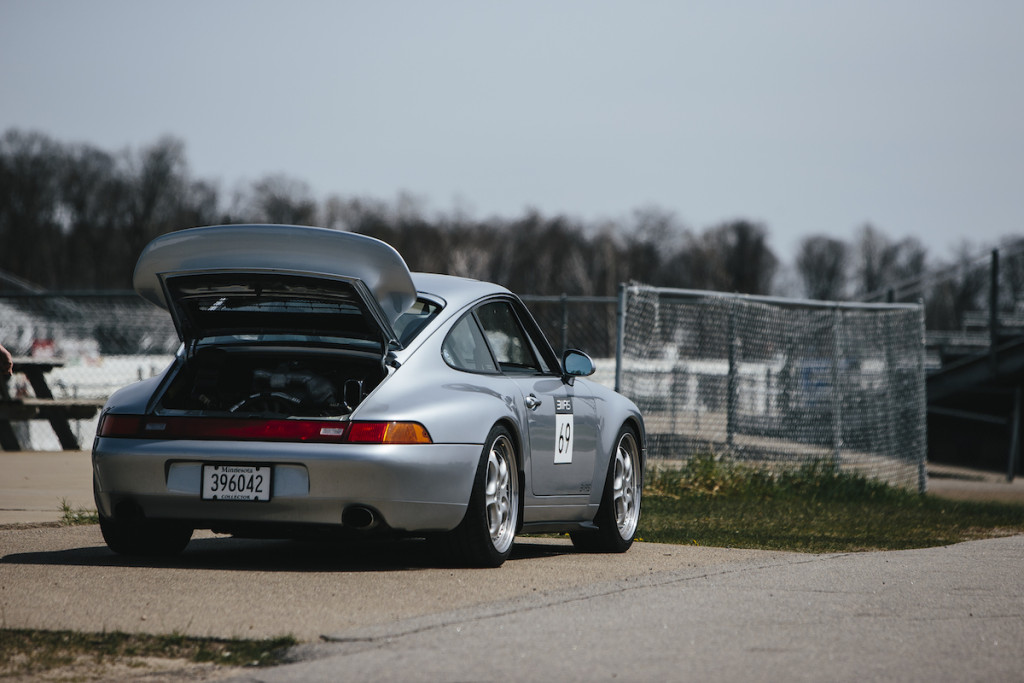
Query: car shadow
[236, 554]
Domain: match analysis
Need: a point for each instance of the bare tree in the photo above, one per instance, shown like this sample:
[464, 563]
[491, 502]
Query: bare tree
[822, 266]
[1011, 268]
[30, 230]
[653, 242]
[732, 257]
[956, 289]
[95, 201]
[76, 216]
[280, 199]
[73, 216]
[882, 263]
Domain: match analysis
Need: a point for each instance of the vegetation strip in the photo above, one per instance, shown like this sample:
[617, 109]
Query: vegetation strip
[28, 652]
[713, 501]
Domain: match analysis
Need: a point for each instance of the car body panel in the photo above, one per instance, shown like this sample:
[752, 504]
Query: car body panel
[421, 487]
[413, 488]
[563, 460]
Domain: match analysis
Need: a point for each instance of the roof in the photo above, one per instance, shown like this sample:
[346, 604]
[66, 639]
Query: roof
[456, 291]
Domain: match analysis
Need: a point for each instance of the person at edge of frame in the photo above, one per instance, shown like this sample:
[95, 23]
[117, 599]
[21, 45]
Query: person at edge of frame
[6, 362]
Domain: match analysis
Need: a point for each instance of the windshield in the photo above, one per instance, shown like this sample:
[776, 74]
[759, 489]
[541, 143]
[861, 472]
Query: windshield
[228, 304]
[408, 325]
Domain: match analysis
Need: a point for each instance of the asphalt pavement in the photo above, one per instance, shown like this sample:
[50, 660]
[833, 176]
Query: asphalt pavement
[34, 484]
[659, 612]
[391, 611]
[940, 614]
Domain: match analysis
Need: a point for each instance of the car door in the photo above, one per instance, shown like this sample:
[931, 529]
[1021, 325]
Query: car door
[562, 425]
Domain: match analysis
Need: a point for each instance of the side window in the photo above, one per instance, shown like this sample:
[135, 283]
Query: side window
[506, 337]
[465, 349]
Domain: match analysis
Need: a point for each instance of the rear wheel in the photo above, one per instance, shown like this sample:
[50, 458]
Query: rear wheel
[485, 535]
[619, 514]
[145, 537]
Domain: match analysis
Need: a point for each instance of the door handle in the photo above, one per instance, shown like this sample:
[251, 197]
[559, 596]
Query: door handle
[532, 402]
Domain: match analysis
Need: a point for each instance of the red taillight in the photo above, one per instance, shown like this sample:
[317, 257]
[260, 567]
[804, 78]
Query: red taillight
[205, 428]
[119, 425]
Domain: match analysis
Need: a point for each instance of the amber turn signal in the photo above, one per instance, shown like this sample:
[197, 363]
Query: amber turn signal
[388, 432]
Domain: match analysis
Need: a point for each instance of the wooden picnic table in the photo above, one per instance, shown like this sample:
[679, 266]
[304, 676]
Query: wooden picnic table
[41, 406]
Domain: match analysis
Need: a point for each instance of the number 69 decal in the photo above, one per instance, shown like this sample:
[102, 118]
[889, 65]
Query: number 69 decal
[564, 431]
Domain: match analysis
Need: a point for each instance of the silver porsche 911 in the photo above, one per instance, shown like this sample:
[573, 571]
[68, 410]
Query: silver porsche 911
[322, 387]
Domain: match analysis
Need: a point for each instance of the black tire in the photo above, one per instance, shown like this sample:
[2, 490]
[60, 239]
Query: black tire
[145, 538]
[486, 534]
[619, 513]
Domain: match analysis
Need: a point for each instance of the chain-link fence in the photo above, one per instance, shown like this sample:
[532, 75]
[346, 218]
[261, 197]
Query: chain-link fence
[765, 380]
[588, 323]
[778, 382]
[98, 342]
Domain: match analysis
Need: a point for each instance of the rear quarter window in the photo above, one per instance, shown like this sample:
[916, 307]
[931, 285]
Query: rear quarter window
[465, 348]
[410, 323]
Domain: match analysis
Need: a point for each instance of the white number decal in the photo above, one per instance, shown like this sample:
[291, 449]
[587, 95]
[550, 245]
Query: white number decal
[563, 438]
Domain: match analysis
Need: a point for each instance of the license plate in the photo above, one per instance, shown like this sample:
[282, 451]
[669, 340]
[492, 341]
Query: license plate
[236, 482]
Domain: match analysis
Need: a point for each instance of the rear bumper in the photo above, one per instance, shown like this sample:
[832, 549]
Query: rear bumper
[411, 487]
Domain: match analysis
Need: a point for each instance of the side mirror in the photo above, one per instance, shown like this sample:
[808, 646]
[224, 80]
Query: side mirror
[575, 363]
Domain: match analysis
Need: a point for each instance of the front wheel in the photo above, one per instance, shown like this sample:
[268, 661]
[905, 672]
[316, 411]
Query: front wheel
[619, 514]
[485, 535]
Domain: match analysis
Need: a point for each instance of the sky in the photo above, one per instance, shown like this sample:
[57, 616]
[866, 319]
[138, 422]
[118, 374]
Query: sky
[809, 117]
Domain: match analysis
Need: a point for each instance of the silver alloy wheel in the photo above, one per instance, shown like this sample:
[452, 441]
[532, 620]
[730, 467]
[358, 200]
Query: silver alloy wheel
[501, 493]
[626, 486]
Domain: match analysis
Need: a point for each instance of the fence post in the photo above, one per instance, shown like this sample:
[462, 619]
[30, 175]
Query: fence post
[922, 406]
[892, 450]
[837, 394]
[620, 334]
[993, 312]
[1011, 467]
[731, 388]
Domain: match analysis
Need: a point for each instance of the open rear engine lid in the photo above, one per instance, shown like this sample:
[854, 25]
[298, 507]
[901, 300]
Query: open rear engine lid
[276, 279]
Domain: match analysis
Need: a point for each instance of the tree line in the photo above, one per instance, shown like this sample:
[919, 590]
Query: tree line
[73, 217]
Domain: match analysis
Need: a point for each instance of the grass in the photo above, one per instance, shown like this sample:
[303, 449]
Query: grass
[73, 516]
[29, 652]
[716, 502]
